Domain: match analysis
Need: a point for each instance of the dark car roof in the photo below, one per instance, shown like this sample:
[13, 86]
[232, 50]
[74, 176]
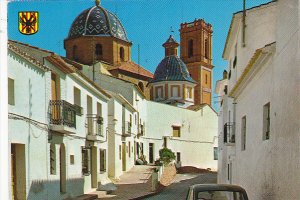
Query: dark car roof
[220, 187]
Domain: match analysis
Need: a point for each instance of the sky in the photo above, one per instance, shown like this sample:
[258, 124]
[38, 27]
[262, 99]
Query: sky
[147, 23]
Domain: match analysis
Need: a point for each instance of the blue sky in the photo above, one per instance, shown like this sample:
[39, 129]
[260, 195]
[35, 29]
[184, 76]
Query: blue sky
[147, 23]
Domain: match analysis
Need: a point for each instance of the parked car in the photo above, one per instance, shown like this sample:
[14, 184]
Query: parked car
[216, 192]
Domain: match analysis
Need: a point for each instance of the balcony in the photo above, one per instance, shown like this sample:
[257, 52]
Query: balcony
[229, 135]
[94, 127]
[62, 116]
[126, 129]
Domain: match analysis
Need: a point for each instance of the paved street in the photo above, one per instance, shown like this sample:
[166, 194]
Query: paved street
[179, 188]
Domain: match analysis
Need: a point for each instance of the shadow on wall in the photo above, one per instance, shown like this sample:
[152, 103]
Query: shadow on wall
[50, 189]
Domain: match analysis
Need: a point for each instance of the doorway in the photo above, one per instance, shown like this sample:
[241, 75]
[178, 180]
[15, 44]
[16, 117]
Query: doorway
[151, 154]
[18, 171]
[62, 168]
[94, 167]
[123, 156]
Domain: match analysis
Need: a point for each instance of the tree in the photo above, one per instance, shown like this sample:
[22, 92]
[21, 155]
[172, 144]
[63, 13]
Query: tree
[166, 155]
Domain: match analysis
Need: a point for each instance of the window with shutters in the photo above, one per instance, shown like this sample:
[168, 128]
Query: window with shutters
[77, 96]
[52, 159]
[176, 131]
[86, 164]
[266, 121]
[102, 160]
[11, 91]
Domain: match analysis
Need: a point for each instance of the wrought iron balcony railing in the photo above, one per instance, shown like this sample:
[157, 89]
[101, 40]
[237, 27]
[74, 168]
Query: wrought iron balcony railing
[94, 124]
[229, 135]
[62, 113]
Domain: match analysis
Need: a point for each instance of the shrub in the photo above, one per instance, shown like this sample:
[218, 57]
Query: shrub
[166, 155]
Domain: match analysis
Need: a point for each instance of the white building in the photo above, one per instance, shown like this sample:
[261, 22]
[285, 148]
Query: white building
[259, 113]
[57, 126]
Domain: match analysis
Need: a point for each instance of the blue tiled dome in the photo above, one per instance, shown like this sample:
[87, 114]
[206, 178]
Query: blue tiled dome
[97, 21]
[172, 68]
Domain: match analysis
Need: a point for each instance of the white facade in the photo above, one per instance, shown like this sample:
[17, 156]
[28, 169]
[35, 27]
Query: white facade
[263, 160]
[47, 155]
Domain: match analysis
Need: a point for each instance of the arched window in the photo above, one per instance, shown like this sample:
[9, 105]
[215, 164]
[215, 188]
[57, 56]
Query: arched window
[122, 53]
[206, 48]
[141, 86]
[98, 50]
[74, 53]
[190, 48]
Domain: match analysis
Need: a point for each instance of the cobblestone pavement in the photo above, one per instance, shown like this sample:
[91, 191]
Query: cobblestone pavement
[178, 189]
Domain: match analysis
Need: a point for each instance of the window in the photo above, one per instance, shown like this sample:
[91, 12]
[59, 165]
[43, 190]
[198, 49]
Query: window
[11, 91]
[189, 92]
[175, 91]
[266, 121]
[216, 153]
[141, 86]
[52, 159]
[159, 92]
[72, 160]
[176, 131]
[165, 142]
[206, 78]
[77, 96]
[102, 160]
[235, 56]
[178, 157]
[190, 48]
[85, 162]
[122, 53]
[120, 152]
[130, 119]
[243, 135]
[206, 48]
[98, 50]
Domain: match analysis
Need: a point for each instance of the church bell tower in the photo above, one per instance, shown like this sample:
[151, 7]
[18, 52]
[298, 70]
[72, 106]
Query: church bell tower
[196, 52]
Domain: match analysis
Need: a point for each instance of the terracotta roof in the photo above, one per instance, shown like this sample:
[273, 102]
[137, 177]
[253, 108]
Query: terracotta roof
[27, 57]
[132, 67]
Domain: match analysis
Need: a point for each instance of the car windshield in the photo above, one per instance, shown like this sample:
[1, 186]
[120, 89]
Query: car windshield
[220, 195]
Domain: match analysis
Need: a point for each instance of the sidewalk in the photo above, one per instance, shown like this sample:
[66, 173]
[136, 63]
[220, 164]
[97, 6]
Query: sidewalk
[132, 184]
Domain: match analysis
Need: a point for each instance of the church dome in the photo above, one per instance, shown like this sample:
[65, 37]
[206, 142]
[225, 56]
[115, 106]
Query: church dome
[97, 21]
[172, 68]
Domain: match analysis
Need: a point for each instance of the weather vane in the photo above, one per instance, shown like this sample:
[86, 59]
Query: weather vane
[171, 30]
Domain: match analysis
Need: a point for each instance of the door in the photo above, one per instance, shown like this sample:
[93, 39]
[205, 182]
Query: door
[62, 168]
[123, 156]
[151, 149]
[94, 166]
[13, 172]
[18, 172]
[89, 101]
[54, 97]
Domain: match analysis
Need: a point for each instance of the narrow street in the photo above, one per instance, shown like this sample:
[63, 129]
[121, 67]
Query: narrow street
[179, 188]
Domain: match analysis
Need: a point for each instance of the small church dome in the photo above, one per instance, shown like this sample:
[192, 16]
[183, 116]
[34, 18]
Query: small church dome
[172, 68]
[97, 21]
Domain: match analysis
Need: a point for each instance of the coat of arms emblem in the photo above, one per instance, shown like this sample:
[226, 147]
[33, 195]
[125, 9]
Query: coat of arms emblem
[28, 22]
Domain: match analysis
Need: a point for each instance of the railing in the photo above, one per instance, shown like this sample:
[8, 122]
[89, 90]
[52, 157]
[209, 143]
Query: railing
[126, 128]
[229, 135]
[62, 113]
[94, 124]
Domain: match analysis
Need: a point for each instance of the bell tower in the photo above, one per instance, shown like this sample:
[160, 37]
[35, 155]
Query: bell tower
[196, 52]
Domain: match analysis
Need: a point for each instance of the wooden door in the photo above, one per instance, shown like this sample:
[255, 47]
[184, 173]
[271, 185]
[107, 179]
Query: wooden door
[124, 156]
[54, 97]
[151, 149]
[62, 167]
[13, 172]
